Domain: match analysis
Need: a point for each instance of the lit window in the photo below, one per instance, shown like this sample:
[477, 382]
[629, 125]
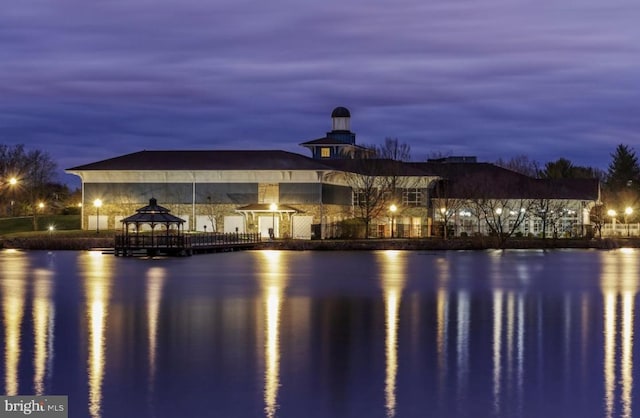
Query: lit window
[325, 152]
[412, 197]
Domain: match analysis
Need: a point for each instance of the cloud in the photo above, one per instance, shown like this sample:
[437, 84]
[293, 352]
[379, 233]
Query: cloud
[494, 78]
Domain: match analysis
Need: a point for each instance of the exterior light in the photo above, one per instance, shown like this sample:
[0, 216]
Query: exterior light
[499, 211]
[393, 208]
[273, 207]
[611, 213]
[627, 212]
[98, 204]
[443, 210]
[41, 205]
[12, 183]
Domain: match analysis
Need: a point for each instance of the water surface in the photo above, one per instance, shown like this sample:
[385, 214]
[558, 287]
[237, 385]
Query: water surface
[324, 334]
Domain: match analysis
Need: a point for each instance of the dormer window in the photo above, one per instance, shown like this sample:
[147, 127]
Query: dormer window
[325, 152]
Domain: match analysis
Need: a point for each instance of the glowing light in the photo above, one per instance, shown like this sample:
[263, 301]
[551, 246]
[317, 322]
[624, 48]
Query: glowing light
[393, 278]
[497, 349]
[43, 323]
[13, 299]
[97, 291]
[619, 283]
[499, 211]
[155, 283]
[273, 285]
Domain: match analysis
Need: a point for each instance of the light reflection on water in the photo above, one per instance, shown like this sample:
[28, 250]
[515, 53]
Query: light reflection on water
[392, 266]
[14, 286]
[97, 272]
[155, 282]
[619, 287]
[273, 280]
[286, 334]
[43, 313]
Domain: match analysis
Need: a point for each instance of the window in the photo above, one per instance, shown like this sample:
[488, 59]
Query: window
[412, 197]
[325, 152]
[359, 198]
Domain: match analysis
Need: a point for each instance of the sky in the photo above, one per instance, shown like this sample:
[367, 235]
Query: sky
[86, 80]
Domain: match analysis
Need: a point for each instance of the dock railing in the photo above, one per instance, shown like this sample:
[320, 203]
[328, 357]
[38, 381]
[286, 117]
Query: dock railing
[183, 243]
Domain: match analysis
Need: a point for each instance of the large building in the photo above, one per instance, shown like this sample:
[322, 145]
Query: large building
[291, 195]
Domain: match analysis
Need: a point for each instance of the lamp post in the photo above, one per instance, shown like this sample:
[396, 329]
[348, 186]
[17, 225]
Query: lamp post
[392, 209]
[612, 213]
[12, 183]
[499, 213]
[98, 204]
[627, 212]
[273, 208]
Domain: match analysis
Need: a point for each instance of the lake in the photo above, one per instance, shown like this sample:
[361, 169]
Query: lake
[325, 334]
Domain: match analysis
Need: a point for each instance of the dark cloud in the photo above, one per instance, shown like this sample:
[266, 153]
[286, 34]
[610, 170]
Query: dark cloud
[498, 78]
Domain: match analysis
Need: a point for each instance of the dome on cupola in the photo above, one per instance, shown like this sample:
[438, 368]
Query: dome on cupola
[341, 119]
[340, 112]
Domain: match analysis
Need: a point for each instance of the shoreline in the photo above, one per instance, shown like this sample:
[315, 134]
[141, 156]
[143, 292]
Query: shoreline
[415, 244]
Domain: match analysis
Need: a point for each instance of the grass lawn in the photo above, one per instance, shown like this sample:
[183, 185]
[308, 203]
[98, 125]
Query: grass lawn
[10, 226]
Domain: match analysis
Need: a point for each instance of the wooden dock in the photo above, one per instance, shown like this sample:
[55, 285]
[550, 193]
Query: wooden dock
[149, 245]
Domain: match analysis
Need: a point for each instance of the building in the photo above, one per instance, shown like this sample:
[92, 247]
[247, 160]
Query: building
[291, 195]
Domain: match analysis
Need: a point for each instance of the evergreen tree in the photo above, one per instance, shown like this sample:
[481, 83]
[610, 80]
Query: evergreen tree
[624, 171]
[623, 178]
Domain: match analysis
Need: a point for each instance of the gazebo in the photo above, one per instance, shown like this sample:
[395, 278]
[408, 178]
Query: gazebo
[153, 215]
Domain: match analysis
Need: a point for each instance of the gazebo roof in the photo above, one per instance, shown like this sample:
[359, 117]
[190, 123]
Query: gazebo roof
[153, 214]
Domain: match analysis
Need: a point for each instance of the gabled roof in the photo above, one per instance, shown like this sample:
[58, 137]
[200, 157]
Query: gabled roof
[205, 160]
[153, 214]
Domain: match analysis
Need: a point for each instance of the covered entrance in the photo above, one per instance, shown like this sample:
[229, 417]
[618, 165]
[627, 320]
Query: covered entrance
[270, 219]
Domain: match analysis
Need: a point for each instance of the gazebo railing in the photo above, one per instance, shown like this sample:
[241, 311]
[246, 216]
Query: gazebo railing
[152, 241]
[182, 241]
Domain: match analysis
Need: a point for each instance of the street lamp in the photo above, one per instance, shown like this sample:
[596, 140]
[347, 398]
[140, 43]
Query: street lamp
[98, 204]
[627, 212]
[12, 183]
[393, 209]
[273, 207]
[612, 213]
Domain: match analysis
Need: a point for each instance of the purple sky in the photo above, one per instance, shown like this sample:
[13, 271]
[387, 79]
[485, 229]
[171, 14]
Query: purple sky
[87, 81]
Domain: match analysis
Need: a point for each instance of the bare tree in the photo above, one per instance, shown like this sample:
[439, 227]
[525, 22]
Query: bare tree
[550, 212]
[394, 150]
[520, 164]
[379, 178]
[371, 193]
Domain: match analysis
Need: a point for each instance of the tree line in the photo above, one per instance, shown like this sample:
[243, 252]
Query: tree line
[28, 185]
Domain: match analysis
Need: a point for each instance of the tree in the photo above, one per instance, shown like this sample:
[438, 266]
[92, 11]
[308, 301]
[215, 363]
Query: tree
[34, 172]
[559, 169]
[371, 194]
[562, 168]
[550, 212]
[520, 164]
[623, 178]
[378, 177]
[394, 150]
